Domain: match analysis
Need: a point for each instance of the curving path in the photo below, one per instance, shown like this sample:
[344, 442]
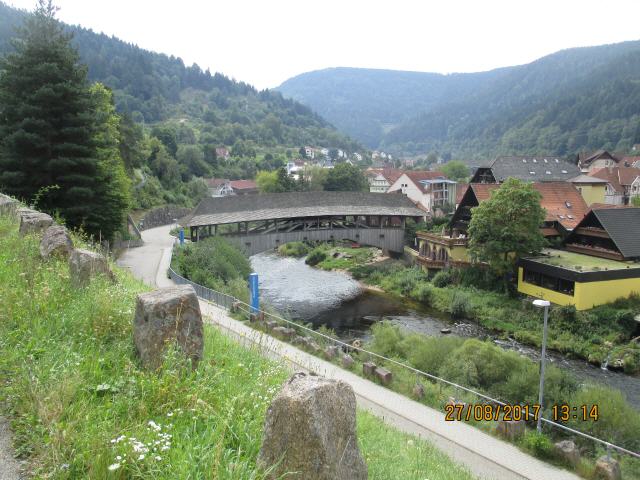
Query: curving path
[484, 455]
[9, 466]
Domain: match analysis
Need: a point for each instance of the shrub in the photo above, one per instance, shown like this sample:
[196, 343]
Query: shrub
[212, 261]
[293, 249]
[404, 280]
[315, 257]
[618, 421]
[538, 444]
[442, 278]
[460, 304]
[429, 353]
[386, 339]
[423, 293]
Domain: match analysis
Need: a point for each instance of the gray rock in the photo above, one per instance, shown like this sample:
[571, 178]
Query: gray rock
[34, 222]
[368, 368]
[331, 352]
[607, 469]
[384, 375]
[283, 333]
[85, 264]
[511, 429]
[168, 315]
[310, 429]
[347, 361]
[418, 391]
[270, 325]
[8, 205]
[568, 451]
[56, 241]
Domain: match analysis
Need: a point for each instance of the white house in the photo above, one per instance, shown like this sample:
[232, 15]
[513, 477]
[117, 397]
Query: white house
[309, 152]
[428, 190]
[380, 179]
[219, 187]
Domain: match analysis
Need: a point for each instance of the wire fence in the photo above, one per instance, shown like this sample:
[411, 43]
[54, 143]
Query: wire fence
[219, 298]
[228, 301]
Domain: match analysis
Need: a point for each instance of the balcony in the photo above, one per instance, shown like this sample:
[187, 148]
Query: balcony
[442, 240]
[592, 232]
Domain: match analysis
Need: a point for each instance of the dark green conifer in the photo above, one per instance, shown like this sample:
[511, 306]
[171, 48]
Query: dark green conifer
[47, 151]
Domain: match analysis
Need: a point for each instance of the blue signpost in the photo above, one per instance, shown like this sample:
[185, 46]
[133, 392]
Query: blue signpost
[254, 293]
[182, 236]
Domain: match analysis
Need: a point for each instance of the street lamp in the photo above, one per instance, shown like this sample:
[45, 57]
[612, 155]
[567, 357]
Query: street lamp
[542, 304]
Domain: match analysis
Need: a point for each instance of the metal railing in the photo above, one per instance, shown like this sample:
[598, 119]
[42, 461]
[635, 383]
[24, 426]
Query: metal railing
[227, 301]
[219, 298]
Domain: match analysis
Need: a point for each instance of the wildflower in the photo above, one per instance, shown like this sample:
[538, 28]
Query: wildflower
[158, 457]
[114, 466]
[141, 457]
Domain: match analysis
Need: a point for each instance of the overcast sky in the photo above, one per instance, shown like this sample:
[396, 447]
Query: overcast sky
[264, 42]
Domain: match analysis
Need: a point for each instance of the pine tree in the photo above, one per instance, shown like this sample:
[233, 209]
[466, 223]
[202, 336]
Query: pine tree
[113, 186]
[47, 153]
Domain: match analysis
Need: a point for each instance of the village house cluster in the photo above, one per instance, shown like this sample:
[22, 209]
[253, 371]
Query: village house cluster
[589, 219]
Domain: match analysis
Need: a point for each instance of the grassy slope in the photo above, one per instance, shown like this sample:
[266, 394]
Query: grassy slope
[72, 388]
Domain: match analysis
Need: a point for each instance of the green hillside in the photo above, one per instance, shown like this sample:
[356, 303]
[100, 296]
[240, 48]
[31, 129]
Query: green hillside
[576, 99]
[154, 87]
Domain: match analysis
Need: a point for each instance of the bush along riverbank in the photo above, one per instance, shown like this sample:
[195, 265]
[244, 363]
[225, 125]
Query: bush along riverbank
[81, 406]
[332, 256]
[214, 263]
[603, 335]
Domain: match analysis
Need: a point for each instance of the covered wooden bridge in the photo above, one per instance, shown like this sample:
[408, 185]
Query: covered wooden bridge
[263, 222]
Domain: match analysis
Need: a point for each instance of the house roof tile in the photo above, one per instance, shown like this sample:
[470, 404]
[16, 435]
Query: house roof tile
[561, 201]
[533, 168]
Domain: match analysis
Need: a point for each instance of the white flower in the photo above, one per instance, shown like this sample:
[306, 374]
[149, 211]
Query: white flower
[118, 458]
[158, 457]
[154, 425]
[170, 414]
[114, 466]
[141, 457]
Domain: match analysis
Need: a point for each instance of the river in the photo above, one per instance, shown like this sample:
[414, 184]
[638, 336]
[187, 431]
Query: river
[336, 300]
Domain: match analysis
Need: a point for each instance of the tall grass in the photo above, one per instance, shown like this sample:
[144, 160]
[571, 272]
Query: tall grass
[81, 407]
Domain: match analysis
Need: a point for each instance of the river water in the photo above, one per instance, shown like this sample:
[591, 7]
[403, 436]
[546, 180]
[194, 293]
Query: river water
[339, 302]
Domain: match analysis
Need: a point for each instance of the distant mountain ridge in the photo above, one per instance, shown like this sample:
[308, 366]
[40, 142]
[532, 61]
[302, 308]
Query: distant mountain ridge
[576, 99]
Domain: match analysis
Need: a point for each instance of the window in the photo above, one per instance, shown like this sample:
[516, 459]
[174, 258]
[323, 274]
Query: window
[566, 287]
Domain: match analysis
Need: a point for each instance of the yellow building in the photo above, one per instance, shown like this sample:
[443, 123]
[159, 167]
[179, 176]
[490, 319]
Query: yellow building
[592, 189]
[601, 262]
[440, 251]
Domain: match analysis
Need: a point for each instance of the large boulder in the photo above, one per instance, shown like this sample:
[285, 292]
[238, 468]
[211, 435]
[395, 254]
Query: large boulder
[34, 222]
[511, 429]
[310, 429]
[85, 264]
[567, 450]
[56, 241]
[607, 468]
[164, 316]
[8, 205]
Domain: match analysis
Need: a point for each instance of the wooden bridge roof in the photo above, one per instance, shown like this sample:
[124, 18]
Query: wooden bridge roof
[249, 208]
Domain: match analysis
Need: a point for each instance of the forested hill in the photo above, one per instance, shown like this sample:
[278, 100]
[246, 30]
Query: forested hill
[583, 98]
[365, 103]
[154, 87]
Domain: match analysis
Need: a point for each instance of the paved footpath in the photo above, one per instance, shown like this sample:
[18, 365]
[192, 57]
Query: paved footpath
[9, 466]
[484, 455]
